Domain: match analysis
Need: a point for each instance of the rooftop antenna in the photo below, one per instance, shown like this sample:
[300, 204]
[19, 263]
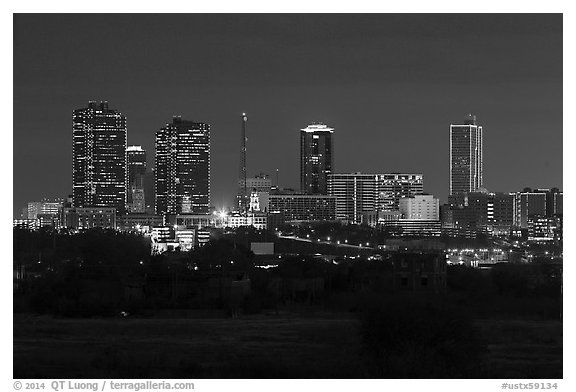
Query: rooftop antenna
[277, 179]
[243, 204]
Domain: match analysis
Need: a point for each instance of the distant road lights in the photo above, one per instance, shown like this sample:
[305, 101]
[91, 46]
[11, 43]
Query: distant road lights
[367, 244]
[307, 235]
[338, 242]
[327, 238]
[346, 241]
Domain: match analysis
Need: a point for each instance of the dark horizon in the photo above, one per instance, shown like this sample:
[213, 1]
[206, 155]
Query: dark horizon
[390, 85]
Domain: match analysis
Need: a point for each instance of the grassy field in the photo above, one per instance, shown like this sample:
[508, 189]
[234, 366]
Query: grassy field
[286, 346]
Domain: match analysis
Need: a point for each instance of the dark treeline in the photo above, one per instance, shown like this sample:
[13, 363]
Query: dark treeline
[119, 265]
[102, 273]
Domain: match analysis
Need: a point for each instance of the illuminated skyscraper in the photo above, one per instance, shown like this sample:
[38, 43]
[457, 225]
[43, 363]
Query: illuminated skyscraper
[136, 156]
[182, 168]
[316, 158]
[99, 157]
[465, 156]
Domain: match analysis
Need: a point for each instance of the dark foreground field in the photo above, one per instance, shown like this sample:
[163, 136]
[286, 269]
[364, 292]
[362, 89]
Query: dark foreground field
[259, 347]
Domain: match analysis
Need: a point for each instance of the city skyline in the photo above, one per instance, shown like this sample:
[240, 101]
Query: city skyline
[388, 118]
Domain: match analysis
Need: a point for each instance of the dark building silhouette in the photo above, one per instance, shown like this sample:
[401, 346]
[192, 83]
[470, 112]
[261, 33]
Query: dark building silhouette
[149, 194]
[136, 159]
[182, 168]
[479, 212]
[316, 158]
[537, 202]
[99, 157]
[465, 156]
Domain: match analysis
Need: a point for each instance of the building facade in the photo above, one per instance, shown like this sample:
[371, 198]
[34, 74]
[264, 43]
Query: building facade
[394, 186]
[479, 212]
[44, 207]
[89, 218]
[420, 207]
[466, 166]
[544, 228]
[99, 157]
[182, 168]
[136, 162]
[297, 207]
[316, 158]
[541, 202]
[358, 194]
[355, 193]
[261, 185]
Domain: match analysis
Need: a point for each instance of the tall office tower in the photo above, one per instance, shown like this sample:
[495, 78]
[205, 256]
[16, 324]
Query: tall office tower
[243, 191]
[394, 186]
[136, 158]
[316, 158]
[465, 156]
[182, 168]
[99, 157]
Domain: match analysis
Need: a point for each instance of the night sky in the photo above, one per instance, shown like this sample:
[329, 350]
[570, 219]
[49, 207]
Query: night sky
[390, 85]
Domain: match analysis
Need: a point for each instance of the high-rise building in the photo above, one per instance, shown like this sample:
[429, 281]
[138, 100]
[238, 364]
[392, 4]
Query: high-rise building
[465, 156]
[357, 193]
[136, 158]
[316, 158]
[182, 168]
[99, 157]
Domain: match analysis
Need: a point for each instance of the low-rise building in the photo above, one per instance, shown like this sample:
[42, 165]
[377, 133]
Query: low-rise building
[303, 208]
